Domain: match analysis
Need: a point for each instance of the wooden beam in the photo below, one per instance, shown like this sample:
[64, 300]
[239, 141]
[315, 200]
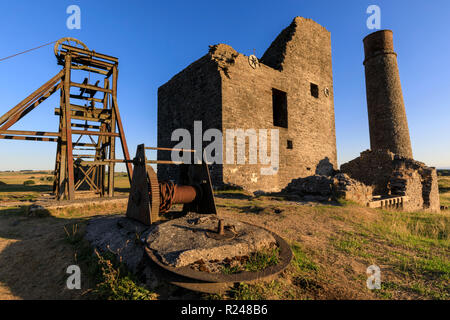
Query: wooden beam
[28, 138]
[123, 140]
[95, 133]
[94, 63]
[86, 126]
[29, 107]
[77, 96]
[32, 96]
[82, 144]
[30, 133]
[90, 69]
[89, 87]
[92, 54]
[68, 128]
[96, 114]
[168, 149]
[164, 161]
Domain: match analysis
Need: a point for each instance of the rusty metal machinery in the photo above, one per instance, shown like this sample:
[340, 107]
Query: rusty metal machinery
[206, 282]
[78, 116]
[150, 197]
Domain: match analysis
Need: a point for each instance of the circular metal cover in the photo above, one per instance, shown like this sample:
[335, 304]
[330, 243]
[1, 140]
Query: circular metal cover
[191, 279]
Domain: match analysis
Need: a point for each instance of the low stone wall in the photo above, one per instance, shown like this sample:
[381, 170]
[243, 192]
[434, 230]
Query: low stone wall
[390, 174]
[325, 188]
[317, 185]
[347, 188]
[373, 168]
[407, 182]
[417, 181]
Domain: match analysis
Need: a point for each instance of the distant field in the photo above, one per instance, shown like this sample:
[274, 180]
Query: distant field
[12, 187]
[443, 172]
[444, 188]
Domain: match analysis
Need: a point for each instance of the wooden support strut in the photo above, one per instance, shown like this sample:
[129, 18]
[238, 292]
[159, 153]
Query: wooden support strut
[68, 129]
[32, 96]
[102, 136]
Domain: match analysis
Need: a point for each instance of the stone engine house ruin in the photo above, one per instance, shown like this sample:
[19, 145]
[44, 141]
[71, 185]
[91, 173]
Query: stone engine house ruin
[290, 89]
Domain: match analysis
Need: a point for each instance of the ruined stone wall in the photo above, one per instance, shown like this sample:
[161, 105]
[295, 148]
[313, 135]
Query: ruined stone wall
[223, 91]
[327, 188]
[407, 182]
[430, 190]
[347, 188]
[301, 55]
[373, 168]
[417, 181]
[193, 94]
[394, 175]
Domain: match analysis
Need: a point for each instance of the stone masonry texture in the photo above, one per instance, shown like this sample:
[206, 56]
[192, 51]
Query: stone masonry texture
[389, 167]
[224, 91]
[394, 175]
[387, 116]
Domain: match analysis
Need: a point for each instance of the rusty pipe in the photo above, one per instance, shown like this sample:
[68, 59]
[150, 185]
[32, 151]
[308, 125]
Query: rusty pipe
[184, 194]
[171, 193]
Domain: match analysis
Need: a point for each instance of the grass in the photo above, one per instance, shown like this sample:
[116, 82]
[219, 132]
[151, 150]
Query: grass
[412, 249]
[115, 282]
[29, 185]
[414, 229]
[109, 275]
[301, 261]
[350, 245]
[230, 269]
[262, 260]
[257, 261]
[258, 291]
[422, 251]
[444, 190]
[332, 246]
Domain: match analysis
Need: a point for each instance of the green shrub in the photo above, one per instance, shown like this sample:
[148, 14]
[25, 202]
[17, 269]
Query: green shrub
[28, 182]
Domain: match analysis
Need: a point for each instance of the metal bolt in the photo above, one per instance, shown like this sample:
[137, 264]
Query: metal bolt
[220, 228]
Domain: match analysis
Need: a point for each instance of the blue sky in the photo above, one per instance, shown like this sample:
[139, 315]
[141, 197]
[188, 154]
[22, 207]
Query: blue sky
[156, 39]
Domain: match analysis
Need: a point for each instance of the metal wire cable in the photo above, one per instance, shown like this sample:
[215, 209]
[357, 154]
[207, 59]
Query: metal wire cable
[14, 55]
[167, 194]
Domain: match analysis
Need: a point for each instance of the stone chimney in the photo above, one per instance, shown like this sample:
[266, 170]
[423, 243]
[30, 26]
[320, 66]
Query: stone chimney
[387, 116]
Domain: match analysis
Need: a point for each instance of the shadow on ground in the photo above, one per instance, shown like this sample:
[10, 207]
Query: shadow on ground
[35, 253]
[233, 195]
[25, 188]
